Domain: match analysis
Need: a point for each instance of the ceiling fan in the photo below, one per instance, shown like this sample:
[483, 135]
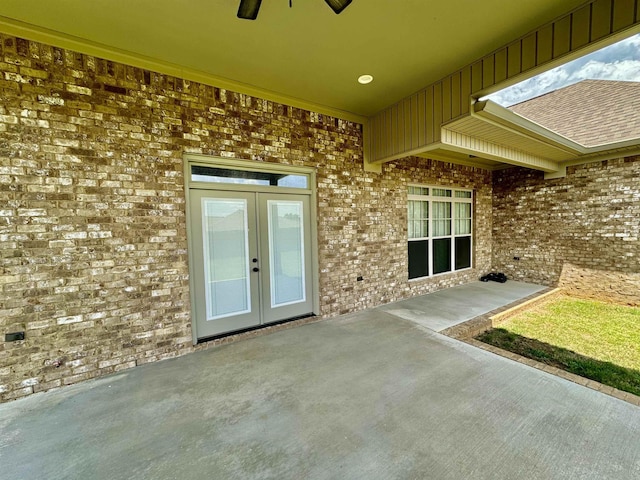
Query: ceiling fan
[249, 8]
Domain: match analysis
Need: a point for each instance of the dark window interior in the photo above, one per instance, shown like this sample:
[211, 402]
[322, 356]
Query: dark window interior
[418, 258]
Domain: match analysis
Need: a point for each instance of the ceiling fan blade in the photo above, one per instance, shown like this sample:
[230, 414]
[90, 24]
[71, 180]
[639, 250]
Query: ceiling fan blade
[249, 9]
[338, 5]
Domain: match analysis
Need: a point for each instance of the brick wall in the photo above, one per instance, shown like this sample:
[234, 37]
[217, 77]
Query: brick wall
[92, 209]
[582, 231]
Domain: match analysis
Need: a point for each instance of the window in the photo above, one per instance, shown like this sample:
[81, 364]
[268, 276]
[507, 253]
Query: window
[439, 230]
[201, 173]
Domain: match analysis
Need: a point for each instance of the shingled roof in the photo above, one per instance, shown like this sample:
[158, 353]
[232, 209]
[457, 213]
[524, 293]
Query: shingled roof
[590, 112]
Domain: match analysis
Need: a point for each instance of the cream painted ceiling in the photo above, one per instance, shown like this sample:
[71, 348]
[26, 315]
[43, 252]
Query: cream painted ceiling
[307, 52]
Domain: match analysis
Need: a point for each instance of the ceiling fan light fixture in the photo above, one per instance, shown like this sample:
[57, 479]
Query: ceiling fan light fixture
[338, 5]
[248, 9]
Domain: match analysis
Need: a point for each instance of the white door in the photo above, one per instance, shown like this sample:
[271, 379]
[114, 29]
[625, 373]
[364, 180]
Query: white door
[285, 256]
[252, 259]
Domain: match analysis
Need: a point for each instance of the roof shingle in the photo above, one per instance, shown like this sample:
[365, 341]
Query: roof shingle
[590, 112]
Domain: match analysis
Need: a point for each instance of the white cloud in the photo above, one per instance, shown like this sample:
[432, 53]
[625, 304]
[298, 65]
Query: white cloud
[623, 70]
[620, 61]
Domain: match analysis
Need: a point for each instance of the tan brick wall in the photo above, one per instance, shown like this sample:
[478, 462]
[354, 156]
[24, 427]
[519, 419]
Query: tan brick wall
[92, 209]
[612, 286]
[586, 222]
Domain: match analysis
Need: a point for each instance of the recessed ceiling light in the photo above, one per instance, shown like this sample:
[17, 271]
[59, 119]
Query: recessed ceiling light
[364, 79]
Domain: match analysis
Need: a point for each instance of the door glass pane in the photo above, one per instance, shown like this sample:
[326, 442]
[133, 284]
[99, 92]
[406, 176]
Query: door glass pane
[441, 255]
[226, 262]
[286, 252]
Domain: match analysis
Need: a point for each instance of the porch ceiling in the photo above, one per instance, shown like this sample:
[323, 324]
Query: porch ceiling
[304, 56]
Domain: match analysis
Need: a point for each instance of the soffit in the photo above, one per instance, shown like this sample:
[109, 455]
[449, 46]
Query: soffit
[503, 135]
[499, 134]
[304, 53]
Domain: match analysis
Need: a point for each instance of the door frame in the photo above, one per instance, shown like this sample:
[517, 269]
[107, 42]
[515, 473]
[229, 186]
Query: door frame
[190, 160]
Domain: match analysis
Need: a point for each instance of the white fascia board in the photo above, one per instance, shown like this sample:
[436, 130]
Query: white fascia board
[500, 116]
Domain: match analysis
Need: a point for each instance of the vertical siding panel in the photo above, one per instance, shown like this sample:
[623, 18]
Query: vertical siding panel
[600, 19]
[514, 59]
[465, 89]
[488, 67]
[476, 77]
[422, 118]
[383, 135]
[417, 120]
[430, 117]
[415, 124]
[393, 120]
[446, 99]
[623, 13]
[580, 28]
[545, 45]
[455, 95]
[407, 123]
[500, 67]
[388, 135]
[562, 36]
[529, 52]
[376, 131]
[399, 143]
[375, 138]
[437, 111]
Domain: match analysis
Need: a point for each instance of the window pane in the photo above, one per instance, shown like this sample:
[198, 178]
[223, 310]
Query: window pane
[463, 218]
[441, 219]
[418, 258]
[463, 252]
[441, 192]
[293, 181]
[418, 212]
[201, 173]
[442, 255]
[413, 190]
[460, 194]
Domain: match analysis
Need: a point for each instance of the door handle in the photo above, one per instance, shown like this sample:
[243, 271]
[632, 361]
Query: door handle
[256, 269]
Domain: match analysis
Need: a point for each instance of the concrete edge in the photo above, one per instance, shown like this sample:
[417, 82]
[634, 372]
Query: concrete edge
[539, 298]
[465, 332]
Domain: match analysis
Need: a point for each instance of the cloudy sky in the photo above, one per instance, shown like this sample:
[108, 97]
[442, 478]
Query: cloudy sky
[620, 61]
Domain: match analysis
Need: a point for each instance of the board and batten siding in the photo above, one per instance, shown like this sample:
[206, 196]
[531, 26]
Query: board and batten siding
[412, 124]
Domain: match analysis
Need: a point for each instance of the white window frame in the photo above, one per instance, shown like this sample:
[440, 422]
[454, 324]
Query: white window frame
[430, 198]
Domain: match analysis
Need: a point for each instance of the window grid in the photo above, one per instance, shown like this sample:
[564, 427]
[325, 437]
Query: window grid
[439, 223]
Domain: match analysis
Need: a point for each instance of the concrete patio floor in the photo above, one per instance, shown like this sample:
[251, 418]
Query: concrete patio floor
[452, 306]
[368, 395]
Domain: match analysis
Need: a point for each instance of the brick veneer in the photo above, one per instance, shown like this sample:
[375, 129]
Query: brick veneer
[581, 231]
[92, 209]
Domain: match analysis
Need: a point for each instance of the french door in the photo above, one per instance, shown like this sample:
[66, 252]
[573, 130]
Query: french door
[252, 259]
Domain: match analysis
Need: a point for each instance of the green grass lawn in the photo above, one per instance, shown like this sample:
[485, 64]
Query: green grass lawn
[596, 340]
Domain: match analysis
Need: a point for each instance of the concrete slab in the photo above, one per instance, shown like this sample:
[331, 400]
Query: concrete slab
[363, 396]
[446, 308]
